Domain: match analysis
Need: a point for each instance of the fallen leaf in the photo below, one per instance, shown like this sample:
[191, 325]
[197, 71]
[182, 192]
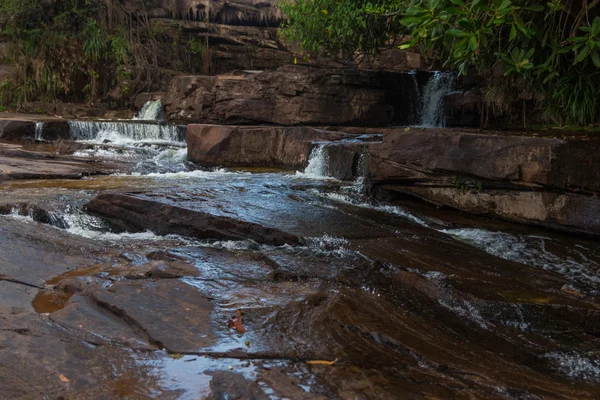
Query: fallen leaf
[322, 362]
[230, 367]
[247, 343]
[63, 378]
[236, 322]
[176, 356]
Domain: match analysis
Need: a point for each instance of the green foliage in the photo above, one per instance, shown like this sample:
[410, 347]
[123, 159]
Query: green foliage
[549, 48]
[340, 27]
[195, 46]
[71, 49]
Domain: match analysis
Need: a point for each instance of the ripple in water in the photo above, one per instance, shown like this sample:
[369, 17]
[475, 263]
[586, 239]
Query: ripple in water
[532, 251]
[576, 366]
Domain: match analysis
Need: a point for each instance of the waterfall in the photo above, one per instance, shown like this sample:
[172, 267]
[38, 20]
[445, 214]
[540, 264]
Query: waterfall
[318, 162]
[438, 87]
[125, 132]
[39, 130]
[151, 111]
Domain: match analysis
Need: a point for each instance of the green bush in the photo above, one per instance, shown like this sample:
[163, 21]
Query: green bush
[540, 50]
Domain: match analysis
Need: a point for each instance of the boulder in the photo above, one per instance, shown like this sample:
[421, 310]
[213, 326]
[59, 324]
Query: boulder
[139, 213]
[545, 181]
[293, 95]
[145, 97]
[553, 163]
[14, 130]
[260, 146]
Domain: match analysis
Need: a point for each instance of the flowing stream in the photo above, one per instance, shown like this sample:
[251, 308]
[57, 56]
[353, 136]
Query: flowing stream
[409, 300]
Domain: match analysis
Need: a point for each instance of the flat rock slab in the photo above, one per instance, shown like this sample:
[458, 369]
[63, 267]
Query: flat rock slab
[170, 313]
[42, 162]
[139, 214]
[98, 325]
[34, 354]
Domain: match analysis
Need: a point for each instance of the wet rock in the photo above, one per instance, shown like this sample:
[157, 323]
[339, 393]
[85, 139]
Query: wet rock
[139, 213]
[70, 147]
[145, 97]
[15, 130]
[290, 95]
[35, 353]
[523, 179]
[233, 146]
[172, 270]
[566, 211]
[170, 313]
[229, 385]
[97, 325]
[287, 386]
[554, 163]
[17, 162]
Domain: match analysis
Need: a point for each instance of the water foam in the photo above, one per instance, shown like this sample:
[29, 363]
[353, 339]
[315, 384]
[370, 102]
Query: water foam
[151, 111]
[576, 366]
[528, 250]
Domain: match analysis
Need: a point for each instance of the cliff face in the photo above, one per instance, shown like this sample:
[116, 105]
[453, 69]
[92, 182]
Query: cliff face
[240, 35]
[226, 12]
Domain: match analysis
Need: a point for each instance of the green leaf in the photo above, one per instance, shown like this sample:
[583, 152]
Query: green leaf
[513, 33]
[473, 44]
[456, 33]
[459, 3]
[596, 58]
[582, 54]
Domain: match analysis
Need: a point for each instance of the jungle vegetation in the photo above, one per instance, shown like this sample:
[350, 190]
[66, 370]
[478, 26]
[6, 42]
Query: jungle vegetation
[86, 50]
[542, 52]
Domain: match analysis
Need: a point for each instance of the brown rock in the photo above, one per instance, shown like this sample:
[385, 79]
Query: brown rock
[265, 146]
[523, 179]
[140, 213]
[229, 385]
[171, 313]
[291, 95]
[143, 98]
[556, 163]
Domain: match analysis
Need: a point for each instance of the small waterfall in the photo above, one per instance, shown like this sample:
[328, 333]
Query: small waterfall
[439, 85]
[125, 132]
[39, 130]
[151, 111]
[361, 172]
[318, 162]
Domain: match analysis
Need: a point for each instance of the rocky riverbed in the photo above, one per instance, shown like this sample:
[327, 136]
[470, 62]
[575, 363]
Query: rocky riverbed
[127, 271]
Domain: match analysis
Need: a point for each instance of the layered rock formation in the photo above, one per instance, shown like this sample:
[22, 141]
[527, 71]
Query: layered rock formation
[238, 146]
[236, 12]
[552, 182]
[294, 95]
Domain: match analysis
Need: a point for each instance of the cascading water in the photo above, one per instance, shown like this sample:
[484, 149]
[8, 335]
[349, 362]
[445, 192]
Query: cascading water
[318, 162]
[439, 86]
[151, 111]
[125, 132]
[39, 130]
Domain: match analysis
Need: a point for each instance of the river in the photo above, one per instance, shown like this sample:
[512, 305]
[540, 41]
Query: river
[342, 296]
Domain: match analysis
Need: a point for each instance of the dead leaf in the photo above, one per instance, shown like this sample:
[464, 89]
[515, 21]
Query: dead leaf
[236, 322]
[63, 378]
[322, 362]
[176, 356]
